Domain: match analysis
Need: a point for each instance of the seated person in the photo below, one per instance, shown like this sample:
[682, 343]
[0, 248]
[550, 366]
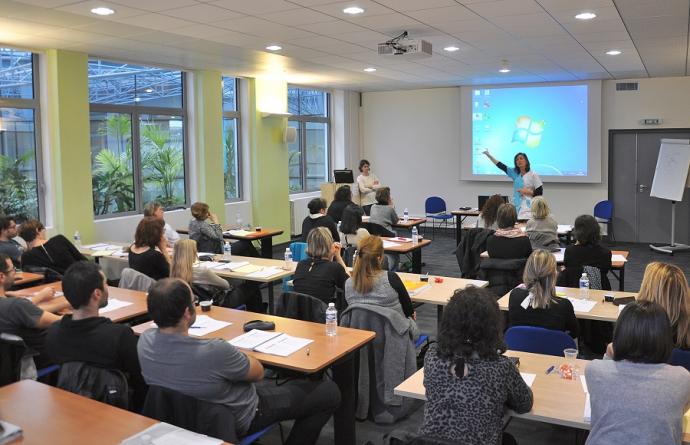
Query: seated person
[341, 200]
[535, 302]
[487, 216]
[508, 241]
[469, 385]
[585, 252]
[8, 246]
[86, 337]
[351, 230]
[638, 377]
[149, 253]
[185, 257]
[542, 229]
[208, 235]
[324, 270]
[383, 212]
[19, 316]
[318, 218]
[155, 209]
[56, 253]
[215, 371]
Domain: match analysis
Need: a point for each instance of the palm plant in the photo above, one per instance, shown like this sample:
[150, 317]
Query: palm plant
[18, 194]
[162, 162]
[230, 175]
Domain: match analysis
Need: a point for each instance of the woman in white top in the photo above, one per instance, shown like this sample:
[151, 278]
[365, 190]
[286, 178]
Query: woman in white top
[526, 183]
[368, 183]
[184, 258]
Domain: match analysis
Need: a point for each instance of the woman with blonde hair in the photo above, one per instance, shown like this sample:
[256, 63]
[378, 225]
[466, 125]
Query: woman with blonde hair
[542, 229]
[535, 303]
[324, 270]
[667, 285]
[183, 260]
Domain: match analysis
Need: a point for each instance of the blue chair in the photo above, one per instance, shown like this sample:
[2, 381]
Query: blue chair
[680, 357]
[435, 208]
[254, 437]
[538, 340]
[299, 253]
[423, 338]
[603, 213]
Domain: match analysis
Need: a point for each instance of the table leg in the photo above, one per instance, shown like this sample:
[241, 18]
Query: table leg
[439, 317]
[344, 416]
[458, 229]
[417, 261]
[271, 304]
[267, 247]
[621, 279]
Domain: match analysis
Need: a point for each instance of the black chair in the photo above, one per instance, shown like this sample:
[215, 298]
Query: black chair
[12, 351]
[102, 384]
[502, 274]
[300, 306]
[377, 229]
[49, 275]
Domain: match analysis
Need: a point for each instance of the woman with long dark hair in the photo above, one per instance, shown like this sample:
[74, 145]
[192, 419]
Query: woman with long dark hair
[526, 183]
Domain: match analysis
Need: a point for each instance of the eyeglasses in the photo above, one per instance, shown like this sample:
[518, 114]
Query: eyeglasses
[9, 271]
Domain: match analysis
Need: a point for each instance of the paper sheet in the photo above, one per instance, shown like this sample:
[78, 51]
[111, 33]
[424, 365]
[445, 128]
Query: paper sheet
[388, 244]
[200, 254]
[564, 228]
[283, 345]
[102, 253]
[618, 259]
[265, 272]
[209, 264]
[252, 339]
[247, 268]
[237, 232]
[559, 255]
[233, 266]
[113, 304]
[204, 325]
[582, 305]
[588, 406]
[620, 308]
[165, 434]
[120, 254]
[402, 239]
[528, 378]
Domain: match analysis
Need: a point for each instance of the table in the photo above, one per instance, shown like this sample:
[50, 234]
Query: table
[460, 216]
[51, 415]
[603, 311]
[137, 298]
[325, 351]
[410, 223]
[556, 401]
[265, 237]
[26, 278]
[409, 247]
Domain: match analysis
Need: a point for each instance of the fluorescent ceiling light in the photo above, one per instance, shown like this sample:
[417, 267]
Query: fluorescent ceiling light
[585, 16]
[505, 67]
[353, 10]
[102, 10]
[451, 49]
[149, 90]
[370, 69]
[613, 52]
[274, 47]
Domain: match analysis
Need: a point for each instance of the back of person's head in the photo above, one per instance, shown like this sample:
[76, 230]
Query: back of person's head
[343, 193]
[642, 334]
[316, 205]
[367, 264]
[506, 217]
[362, 163]
[586, 230]
[319, 243]
[5, 222]
[149, 232]
[351, 220]
[81, 279]
[383, 196]
[151, 208]
[471, 323]
[539, 208]
[540, 277]
[184, 257]
[200, 211]
[667, 285]
[490, 209]
[167, 301]
[30, 229]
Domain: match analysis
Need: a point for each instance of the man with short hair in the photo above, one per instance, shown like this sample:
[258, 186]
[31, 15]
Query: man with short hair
[155, 209]
[215, 371]
[317, 218]
[87, 337]
[8, 246]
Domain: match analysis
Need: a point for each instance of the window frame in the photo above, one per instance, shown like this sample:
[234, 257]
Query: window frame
[135, 111]
[35, 105]
[237, 115]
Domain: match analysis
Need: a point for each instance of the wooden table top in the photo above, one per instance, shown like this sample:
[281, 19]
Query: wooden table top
[265, 232]
[405, 247]
[322, 352]
[439, 293]
[411, 222]
[138, 300]
[561, 252]
[27, 278]
[603, 311]
[470, 212]
[51, 415]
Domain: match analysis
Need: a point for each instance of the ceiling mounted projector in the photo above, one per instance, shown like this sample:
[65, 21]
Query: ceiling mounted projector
[405, 47]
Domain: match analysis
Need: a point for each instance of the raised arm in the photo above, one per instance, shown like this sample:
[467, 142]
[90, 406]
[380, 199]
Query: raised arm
[496, 162]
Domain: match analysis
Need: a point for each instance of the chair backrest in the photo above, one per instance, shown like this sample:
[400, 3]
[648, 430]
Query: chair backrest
[603, 209]
[377, 229]
[538, 340]
[502, 274]
[434, 204]
[206, 244]
[135, 280]
[300, 306]
[298, 250]
[349, 255]
[680, 357]
[12, 353]
[49, 275]
[594, 275]
[101, 384]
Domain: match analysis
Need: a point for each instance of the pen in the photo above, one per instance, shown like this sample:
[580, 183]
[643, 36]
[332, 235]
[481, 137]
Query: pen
[551, 368]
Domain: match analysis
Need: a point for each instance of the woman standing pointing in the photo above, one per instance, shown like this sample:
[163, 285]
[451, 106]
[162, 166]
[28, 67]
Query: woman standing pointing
[526, 183]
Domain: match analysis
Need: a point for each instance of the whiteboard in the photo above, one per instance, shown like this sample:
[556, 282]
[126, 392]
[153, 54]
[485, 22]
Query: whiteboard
[671, 173]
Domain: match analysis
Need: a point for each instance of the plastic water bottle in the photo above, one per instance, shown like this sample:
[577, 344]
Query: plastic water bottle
[77, 238]
[354, 257]
[331, 320]
[238, 220]
[406, 215]
[584, 285]
[227, 251]
[288, 259]
[415, 235]
[339, 227]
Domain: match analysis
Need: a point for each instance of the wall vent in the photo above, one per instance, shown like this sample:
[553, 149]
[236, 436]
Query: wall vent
[626, 86]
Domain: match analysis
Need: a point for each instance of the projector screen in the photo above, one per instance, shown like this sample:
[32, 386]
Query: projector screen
[558, 126]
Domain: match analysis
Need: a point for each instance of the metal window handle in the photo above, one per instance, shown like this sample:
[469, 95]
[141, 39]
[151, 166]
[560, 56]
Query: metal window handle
[641, 187]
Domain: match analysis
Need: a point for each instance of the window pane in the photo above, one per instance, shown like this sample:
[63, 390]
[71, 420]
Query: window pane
[295, 161]
[111, 163]
[306, 102]
[16, 74]
[229, 96]
[317, 155]
[231, 179]
[18, 181]
[293, 100]
[162, 158]
[125, 84]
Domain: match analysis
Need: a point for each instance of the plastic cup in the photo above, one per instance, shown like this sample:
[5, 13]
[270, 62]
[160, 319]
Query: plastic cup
[206, 305]
[569, 370]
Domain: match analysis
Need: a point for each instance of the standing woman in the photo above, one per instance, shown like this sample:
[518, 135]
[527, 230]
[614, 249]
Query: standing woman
[368, 183]
[526, 183]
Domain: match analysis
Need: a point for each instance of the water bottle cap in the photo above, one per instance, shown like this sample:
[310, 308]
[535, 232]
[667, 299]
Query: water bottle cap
[331, 304]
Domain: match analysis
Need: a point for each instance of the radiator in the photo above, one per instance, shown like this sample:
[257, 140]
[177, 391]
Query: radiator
[299, 211]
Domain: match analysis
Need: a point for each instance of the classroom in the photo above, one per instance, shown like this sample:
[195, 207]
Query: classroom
[269, 196]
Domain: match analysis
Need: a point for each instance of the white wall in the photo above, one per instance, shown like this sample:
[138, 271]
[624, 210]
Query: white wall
[412, 139]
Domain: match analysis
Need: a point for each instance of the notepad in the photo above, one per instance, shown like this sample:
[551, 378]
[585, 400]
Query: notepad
[209, 264]
[587, 416]
[204, 325]
[233, 266]
[253, 338]
[620, 308]
[582, 305]
[559, 255]
[247, 268]
[269, 342]
[618, 259]
[388, 244]
[10, 432]
[114, 304]
[402, 239]
[528, 378]
[415, 287]
[99, 253]
[239, 232]
[265, 272]
[564, 228]
[166, 434]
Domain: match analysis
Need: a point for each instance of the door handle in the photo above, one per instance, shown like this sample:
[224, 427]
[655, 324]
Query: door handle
[641, 187]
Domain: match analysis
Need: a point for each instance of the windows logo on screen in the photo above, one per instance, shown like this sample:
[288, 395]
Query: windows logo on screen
[528, 131]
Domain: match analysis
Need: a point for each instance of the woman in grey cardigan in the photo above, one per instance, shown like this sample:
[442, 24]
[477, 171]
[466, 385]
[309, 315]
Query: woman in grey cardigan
[205, 229]
[383, 212]
[542, 229]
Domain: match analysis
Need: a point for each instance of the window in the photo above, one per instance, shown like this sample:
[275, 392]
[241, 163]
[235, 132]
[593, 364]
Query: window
[20, 171]
[231, 158]
[309, 155]
[137, 137]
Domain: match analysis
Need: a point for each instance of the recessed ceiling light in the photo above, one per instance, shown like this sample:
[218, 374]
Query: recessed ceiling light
[613, 52]
[149, 90]
[585, 16]
[370, 69]
[274, 47]
[102, 10]
[505, 67]
[353, 10]
[504, 70]
[451, 49]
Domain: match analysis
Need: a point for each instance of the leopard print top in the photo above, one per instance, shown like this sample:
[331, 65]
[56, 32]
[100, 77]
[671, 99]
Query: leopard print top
[470, 409]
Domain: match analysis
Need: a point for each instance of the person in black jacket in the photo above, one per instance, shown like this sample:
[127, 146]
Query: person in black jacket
[324, 270]
[585, 252]
[318, 218]
[341, 200]
[508, 242]
[57, 253]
